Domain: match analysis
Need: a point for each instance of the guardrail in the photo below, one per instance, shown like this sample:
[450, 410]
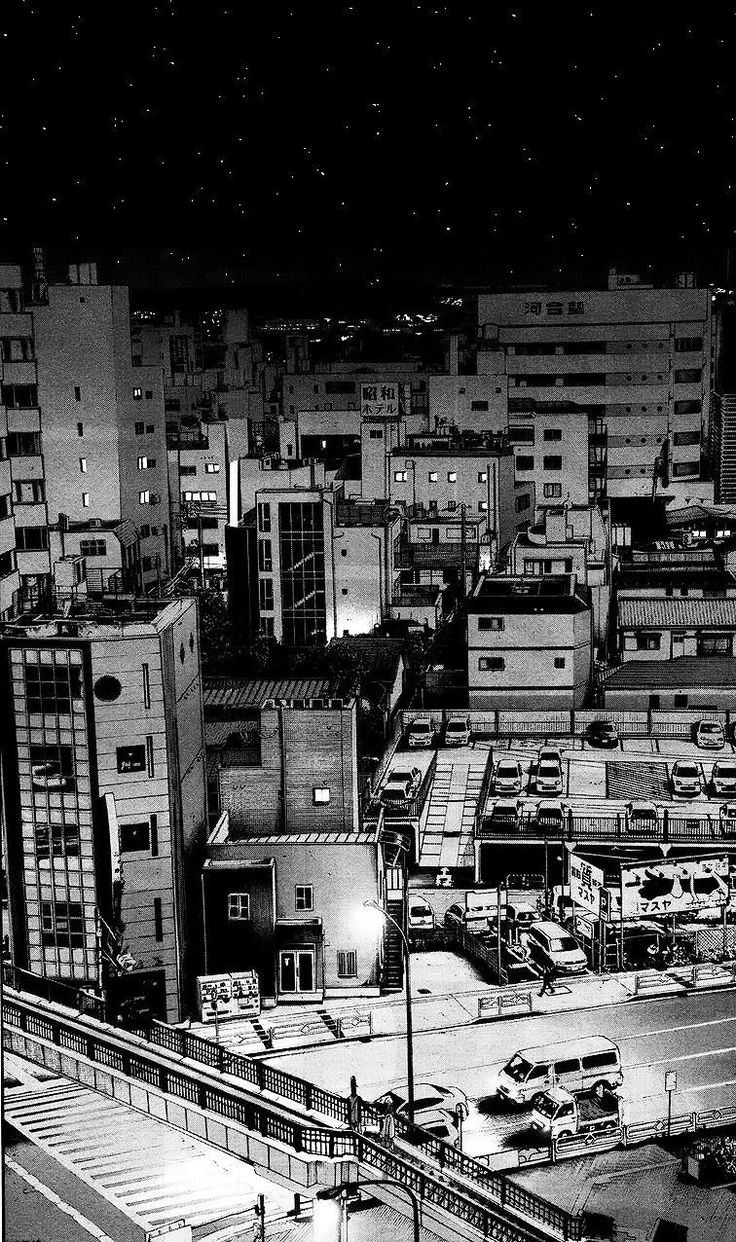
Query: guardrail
[615, 827]
[504, 1004]
[495, 723]
[475, 1196]
[351, 1022]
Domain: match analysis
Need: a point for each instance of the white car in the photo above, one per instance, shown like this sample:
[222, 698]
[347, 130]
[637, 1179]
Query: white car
[401, 786]
[550, 815]
[551, 945]
[472, 918]
[421, 733]
[507, 777]
[435, 1108]
[457, 731]
[642, 816]
[686, 782]
[709, 735]
[727, 817]
[548, 779]
[421, 915]
[723, 776]
[549, 754]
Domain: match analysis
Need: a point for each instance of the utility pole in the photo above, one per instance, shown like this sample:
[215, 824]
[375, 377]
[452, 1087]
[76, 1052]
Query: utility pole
[463, 542]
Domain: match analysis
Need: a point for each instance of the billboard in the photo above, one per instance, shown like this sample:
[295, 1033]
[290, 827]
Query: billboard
[586, 884]
[674, 886]
[237, 995]
[379, 399]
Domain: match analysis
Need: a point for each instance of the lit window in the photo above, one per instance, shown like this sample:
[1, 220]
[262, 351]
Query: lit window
[482, 476]
[400, 476]
[144, 498]
[432, 476]
[238, 906]
[491, 664]
[212, 467]
[85, 500]
[483, 506]
[137, 394]
[83, 465]
[320, 796]
[451, 476]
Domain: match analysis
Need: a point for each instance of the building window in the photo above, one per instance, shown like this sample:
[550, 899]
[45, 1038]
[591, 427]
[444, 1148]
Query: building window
[52, 768]
[29, 491]
[140, 429]
[552, 463]
[144, 498]
[680, 700]
[714, 645]
[212, 467]
[432, 476]
[304, 897]
[320, 795]
[210, 549]
[265, 592]
[135, 837]
[62, 925]
[131, 758]
[690, 375]
[521, 435]
[31, 538]
[552, 491]
[93, 547]
[264, 518]
[482, 476]
[483, 506]
[686, 437]
[688, 407]
[452, 476]
[648, 642]
[681, 469]
[158, 919]
[149, 754]
[559, 661]
[146, 686]
[83, 465]
[654, 700]
[375, 434]
[524, 463]
[137, 394]
[50, 688]
[479, 405]
[347, 964]
[80, 429]
[265, 556]
[522, 503]
[146, 463]
[85, 500]
[400, 476]
[491, 664]
[238, 907]
[688, 344]
[491, 623]
[552, 433]
[183, 470]
[23, 443]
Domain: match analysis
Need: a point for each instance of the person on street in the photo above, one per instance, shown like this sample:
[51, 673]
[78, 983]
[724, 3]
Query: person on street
[388, 1127]
[354, 1107]
[548, 978]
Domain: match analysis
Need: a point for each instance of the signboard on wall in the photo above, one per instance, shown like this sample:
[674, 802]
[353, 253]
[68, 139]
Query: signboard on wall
[586, 884]
[237, 995]
[674, 886]
[379, 399]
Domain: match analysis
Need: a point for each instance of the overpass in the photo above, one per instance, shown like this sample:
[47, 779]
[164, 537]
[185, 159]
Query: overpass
[290, 1130]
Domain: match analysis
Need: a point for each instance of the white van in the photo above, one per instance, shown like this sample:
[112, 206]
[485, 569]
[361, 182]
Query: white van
[421, 915]
[576, 1065]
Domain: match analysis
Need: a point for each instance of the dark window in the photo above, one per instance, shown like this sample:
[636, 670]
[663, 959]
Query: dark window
[552, 490]
[553, 433]
[682, 469]
[304, 897]
[210, 549]
[131, 758]
[265, 589]
[80, 429]
[188, 470]
[19, 396]
[688, 344]
[600, 1060]
[265, 556]
[62, 925]
[522, 503]
[524, 463]
[686, 437]
[680, 700]
[135, 836]
[264, 518]
[689, 375]
[154, 836]
[688, 407]
[559, 661]
[24, 444]
[158, 919]
[339, 386]
[347, 963]
[490, 623]
[553, 463]
[521, 435]
[479, 405]
[140, 429]
[51, 687]
[648, 642]
[714, 645]
[29, 491]
[654, 700]
[93, 547]
[52, 767]
[491, 664]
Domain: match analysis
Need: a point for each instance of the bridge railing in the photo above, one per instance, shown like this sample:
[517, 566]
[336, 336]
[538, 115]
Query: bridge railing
[477, 1192]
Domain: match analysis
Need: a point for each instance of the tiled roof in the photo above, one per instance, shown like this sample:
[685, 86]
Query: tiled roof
[676, 613]
[682, 672]
[250, 692]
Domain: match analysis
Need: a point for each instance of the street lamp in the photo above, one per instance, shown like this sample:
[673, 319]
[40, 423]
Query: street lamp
[373, 905]
[330, 1214]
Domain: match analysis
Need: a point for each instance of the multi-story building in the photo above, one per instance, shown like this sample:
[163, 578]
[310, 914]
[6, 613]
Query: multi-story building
[529, 643]
[636, 359]
[104, 793]
[681, 605]
[199, 473]
[723, 447]
[9, 576]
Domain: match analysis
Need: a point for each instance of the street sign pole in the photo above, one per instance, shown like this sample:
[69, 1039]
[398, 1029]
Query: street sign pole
[670, 1085]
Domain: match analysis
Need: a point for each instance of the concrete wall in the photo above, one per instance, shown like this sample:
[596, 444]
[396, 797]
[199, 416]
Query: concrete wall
[529, 644]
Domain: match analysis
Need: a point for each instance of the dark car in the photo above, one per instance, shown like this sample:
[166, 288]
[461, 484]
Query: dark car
[602, 733]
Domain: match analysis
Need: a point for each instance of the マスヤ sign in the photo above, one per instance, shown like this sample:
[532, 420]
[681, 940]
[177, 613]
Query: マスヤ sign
[674, 886]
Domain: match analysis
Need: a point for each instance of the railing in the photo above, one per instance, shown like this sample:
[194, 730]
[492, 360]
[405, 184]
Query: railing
[613, 827]
[474, 1198]
[410, 808]
[493, 723]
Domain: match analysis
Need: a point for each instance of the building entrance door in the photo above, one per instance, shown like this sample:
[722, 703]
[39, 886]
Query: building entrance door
[296, 970]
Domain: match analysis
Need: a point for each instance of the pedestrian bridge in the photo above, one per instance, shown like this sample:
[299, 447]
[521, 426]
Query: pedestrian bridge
[288, 1129]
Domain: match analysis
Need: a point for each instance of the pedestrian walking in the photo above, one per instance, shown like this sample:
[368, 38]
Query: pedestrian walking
[355, 1109]
[548, 978]
[388, 1127]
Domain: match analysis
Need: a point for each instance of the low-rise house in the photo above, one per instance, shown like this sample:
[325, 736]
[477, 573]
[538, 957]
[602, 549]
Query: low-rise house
[699, 683]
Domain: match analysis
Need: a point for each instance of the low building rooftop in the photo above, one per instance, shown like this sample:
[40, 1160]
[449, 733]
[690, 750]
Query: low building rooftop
[551, 593]
[684, 672]
[233, 694]
[678, 613]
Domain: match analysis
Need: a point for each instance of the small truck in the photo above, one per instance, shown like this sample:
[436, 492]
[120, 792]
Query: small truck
[560, 1114]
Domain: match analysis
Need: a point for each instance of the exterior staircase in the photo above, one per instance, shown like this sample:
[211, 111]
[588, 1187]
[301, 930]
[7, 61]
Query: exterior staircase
[393, 949]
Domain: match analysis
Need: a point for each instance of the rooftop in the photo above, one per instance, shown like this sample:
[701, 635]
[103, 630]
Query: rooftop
[683, 672]
[222, 694]
[551, 593]
[83, 617]
[676, 612]
[697, 575]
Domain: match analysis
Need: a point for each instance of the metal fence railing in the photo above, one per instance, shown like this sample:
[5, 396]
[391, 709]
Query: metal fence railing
[495, 723]
[668, 827]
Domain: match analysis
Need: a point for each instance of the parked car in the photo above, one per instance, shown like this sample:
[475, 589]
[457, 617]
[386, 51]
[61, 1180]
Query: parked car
[505, 815]
[709, 735]
[457, 731]
[549, 754]
[548, 779]
[508, 776]
[401, 786]
[551, 945]
[435, 1108]
[421, 732]
[723, 776]
[420, 917]
[519, 916]
[727, 819]
[602, 733]
[550, 815]
[641, 816]
[477, 915]
[685, 779]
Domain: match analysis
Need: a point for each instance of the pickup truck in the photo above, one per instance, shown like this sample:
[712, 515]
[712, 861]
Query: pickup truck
[560, 1114]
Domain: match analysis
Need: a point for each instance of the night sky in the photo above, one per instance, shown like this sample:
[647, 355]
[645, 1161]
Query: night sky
[191, 141]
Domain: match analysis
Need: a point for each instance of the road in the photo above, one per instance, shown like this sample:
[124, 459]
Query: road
[695, 1035]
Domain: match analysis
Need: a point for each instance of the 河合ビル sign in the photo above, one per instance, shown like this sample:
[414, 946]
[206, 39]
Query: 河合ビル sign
[674, 886]
[379, 399]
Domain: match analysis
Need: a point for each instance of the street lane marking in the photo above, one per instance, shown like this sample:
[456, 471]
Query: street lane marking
[711, 1086]
[672, 1030]
[689, 1056]
[52, 1197]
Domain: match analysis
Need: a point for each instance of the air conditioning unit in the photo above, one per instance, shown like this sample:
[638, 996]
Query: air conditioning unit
[316, 702]
[337, 704]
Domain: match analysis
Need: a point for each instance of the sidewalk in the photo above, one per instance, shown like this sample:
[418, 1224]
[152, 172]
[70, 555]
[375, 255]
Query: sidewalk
[446, 992]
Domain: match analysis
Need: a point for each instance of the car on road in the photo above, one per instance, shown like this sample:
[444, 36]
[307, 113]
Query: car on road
[590, 1062]
[401, 786]
[550, 815]
[421, 733]
[457, 731]
[505, 815]
[548, 778]
[642, 817]
[435, 1108]
[723, 776]
[602, 733]
[685, 779]
[552, 946]
[709, 735]
[727, 819]
[508, 776]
